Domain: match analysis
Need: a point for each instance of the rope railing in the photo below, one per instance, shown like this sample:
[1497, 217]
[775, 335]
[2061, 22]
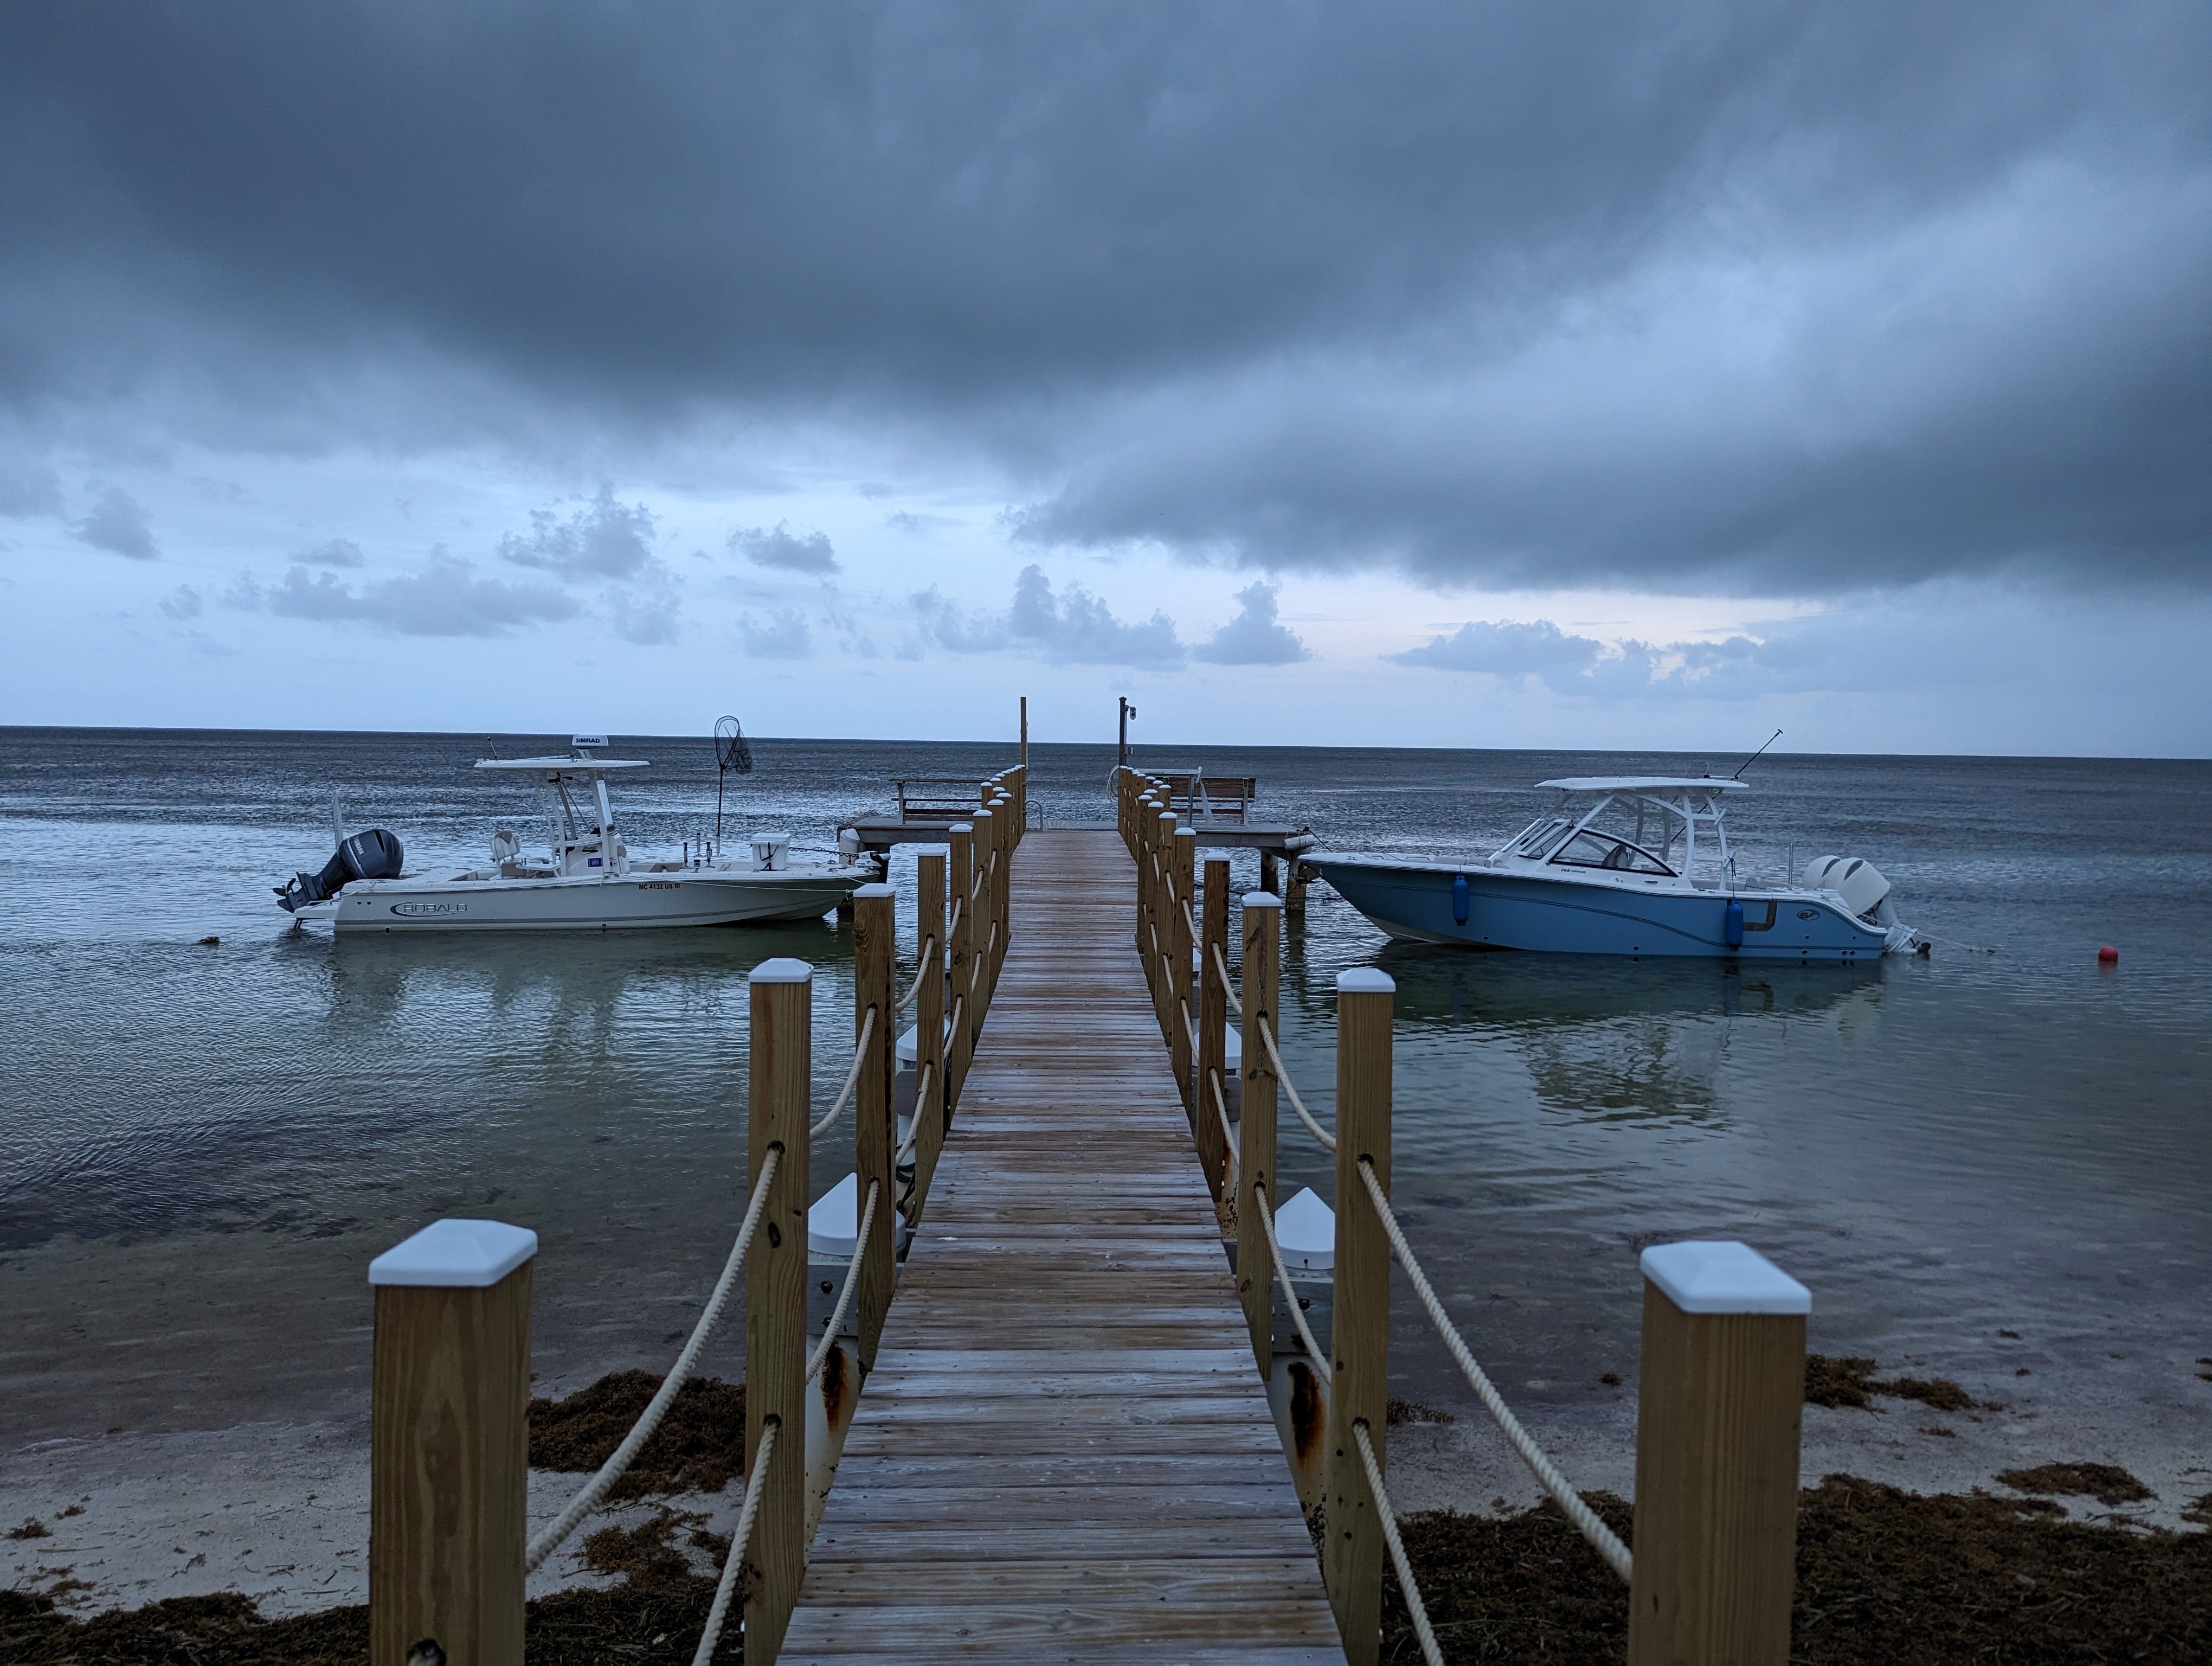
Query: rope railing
[921, 1085]
[920, 971]
[1228, 989]
[1221, 1110]
[1283, 1077]
[612, 1471]
[1602, 1538]
[734, 1564]
[852, 1282]
[1388, 1519]
[1283, 1273]
[851, 1078]
[1189, 1029]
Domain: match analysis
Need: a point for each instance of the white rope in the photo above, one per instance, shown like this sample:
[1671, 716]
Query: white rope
[1228, 1133]
[1290, 1290]
[921, 971]
[641, 1430]
[1268, 1040]
[851, 1078]
[727, 1587]
[1430, 1653]
[1189, 1030]
[1221, 967]
[914, 1123]
[1602, 1538]
[851, 1279]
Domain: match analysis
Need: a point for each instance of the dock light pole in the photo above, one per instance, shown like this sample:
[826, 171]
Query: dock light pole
[1128, 716]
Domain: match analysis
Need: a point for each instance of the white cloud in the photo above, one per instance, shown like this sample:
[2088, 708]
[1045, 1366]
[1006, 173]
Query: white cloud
[442, 597]
[604, 540]
[1254, 637]
[781, 637]
[779, 547]
[118, 524]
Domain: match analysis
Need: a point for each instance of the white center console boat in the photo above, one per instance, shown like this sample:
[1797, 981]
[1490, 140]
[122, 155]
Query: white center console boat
[584, 878]
[1628, 866]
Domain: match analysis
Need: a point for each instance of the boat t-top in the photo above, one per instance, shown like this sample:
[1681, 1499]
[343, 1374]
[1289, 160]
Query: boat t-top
[1626, 865]
[585, 877]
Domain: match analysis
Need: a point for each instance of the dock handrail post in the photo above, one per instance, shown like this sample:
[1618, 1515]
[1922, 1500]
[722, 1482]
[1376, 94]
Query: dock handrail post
[782, 994]
[980, 950]
[929, 1029]
[1256, 1268]
[875, 1137]
[1009, 829]
[449, 1442]
[1159, 936]
[1183, 867]
[1359, 1341]
[1719, 1411]
[960, 839]
[1214, 1021]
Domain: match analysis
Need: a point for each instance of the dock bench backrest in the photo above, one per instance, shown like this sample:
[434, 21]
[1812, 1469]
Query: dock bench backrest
[1198, 797]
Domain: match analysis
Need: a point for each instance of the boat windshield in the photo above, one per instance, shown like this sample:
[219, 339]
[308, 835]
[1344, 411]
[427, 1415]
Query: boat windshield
[1588, 848]
[1539, 836]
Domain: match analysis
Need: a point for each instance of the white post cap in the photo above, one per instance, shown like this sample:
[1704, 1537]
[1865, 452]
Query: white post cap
[1722, 1276]
[876, 890]
[1365, 981]
[960, 827]
[1263, 899]
[455, 1255]
[782, 970]
[1190, 833]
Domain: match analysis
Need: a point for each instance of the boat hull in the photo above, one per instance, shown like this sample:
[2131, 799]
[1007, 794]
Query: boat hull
[635, 902]
[1602, 914]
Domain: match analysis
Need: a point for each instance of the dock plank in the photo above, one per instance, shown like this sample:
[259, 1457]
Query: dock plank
[1064, 1452]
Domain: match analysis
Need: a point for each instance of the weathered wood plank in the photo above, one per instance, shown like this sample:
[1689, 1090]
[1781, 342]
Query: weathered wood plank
[1064, 1453]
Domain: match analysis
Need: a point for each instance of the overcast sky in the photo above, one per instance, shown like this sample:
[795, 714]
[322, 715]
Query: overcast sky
[1501, 375]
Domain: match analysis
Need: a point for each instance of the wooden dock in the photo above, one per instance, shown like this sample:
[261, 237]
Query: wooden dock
[1064, 1452]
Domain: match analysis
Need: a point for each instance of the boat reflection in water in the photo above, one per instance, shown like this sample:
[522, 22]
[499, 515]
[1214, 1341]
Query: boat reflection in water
[1614, 1039]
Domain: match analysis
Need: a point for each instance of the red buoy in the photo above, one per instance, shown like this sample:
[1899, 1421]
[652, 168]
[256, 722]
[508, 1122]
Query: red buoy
[2108, 956]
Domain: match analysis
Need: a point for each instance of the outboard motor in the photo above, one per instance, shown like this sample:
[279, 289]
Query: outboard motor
[374, 855]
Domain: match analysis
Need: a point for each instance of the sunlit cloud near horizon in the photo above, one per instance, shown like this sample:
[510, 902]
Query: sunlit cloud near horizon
[1552, 377]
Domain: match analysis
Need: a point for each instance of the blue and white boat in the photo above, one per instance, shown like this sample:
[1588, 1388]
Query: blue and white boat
[1626, 865]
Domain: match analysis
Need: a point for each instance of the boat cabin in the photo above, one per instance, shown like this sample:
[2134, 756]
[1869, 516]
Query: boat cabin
[1659, 826]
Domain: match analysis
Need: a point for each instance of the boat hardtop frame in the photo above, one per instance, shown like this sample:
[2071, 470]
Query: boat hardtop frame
[1567, 836]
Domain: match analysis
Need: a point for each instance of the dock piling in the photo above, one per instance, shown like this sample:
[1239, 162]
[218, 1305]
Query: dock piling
[449, 1442]
[782, 994]
[1360, 1344]
[875, 1139]
[929, 1096]
[1255, 1167]
[1212, 1025]
[1719, 1411]
[1183, 1011]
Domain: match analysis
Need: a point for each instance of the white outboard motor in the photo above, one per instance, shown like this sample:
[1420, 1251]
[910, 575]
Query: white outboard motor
[1862, 886]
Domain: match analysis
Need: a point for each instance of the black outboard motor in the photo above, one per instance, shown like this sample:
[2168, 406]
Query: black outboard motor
[375, 854]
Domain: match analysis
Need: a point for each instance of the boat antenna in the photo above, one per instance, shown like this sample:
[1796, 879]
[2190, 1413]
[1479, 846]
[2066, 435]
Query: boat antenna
[1753, 759]
[731, 752]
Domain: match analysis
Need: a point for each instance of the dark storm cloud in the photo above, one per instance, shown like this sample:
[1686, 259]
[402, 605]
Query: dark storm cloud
[1796, 298]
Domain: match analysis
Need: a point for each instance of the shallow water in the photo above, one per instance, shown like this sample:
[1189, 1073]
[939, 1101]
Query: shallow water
[201, 1148]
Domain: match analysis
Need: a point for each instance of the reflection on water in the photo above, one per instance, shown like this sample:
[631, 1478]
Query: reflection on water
[201, 1148]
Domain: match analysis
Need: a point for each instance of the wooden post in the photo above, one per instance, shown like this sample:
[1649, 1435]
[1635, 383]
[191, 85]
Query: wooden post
[1359, 1342]
[875, 1137]
[982, 951]
[960, 930]
[1213, 1022]
[1025, 732]
[1162, 946]
[1294, 890]
[1718, 1420]
[929, 1030]
[1002, 882]
[775, 1296]
[1256, 1268]
[449, 1442]
[1182, 1008]
[1271, 878]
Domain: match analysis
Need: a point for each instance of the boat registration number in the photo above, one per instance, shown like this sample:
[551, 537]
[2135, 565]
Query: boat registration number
[656, 884]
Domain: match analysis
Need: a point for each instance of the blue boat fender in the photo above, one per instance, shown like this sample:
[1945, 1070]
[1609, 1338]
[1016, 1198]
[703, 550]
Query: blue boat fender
[1732, 923]
[1459, 900]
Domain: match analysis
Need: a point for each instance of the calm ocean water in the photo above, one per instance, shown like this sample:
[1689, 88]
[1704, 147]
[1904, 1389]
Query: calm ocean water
[201, 1148]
